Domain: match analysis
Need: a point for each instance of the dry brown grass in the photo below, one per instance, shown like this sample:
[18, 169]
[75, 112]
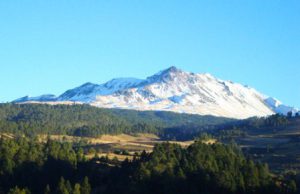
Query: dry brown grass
[133, 143]
[210, 141]
[111, 156]
[107, 144]
[7, 135]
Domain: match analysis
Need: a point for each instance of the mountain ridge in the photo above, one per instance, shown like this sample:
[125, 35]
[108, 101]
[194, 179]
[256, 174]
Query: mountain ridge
[172, 90]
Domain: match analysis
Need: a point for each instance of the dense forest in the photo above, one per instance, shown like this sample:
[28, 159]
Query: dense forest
[88, 121]
[85, 120]
[29, 166]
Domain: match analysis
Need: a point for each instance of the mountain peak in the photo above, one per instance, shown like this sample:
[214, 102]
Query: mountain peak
[175, 90]
[171, 69]
[165, 75]
[88, 84]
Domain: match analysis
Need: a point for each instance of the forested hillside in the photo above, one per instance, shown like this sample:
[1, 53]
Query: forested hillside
[31, 165]
[28, 166]
[85, 120]
[275, 140]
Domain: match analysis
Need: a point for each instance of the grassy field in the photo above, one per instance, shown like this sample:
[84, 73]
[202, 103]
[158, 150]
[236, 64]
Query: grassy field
[116, 145]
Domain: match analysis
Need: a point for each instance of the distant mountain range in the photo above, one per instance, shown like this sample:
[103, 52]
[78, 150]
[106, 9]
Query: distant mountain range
[172, 90]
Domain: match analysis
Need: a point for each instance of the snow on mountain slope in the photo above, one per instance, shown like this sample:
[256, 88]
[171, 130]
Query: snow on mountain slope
[278, 107]
[178, 91]
[43, 98]
[88, 91]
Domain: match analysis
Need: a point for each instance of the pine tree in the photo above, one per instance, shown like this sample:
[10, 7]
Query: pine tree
[85, 187]
[291, 187]
[69, 187]
[17, 190]
[76, 189]
[47, 190]
[62, 189]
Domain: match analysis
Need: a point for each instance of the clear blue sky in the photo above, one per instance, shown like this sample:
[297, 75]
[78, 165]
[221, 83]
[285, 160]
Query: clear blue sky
[51, 46]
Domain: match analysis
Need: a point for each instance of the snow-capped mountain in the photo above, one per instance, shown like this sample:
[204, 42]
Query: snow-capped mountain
[173, 90]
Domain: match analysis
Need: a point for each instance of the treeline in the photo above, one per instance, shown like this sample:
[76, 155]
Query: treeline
[85, 120]
[275, 120]
[258, 126]
[28, 166]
